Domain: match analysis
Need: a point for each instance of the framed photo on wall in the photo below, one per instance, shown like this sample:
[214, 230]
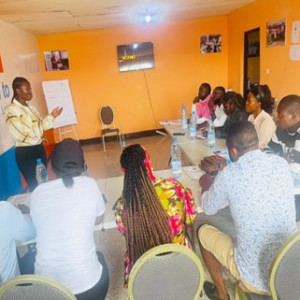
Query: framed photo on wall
[211, 43]
[57, 60]
[276, 32]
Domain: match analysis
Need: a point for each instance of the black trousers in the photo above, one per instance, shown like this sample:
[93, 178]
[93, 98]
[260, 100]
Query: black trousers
[99, 290]
[26, 159]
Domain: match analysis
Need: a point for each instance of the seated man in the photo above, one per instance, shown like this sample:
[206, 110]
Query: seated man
[216, 106]
[13, 227]
[286, 140]
[64, 212]
[203, 98]
[259, 190]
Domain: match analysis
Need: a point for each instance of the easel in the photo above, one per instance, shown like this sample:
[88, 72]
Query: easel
[63, 130]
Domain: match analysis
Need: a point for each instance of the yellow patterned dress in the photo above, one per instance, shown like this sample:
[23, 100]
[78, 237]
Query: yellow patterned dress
[177, 201]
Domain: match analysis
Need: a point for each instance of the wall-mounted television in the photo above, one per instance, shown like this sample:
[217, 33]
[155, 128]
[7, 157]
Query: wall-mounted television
[135, 56]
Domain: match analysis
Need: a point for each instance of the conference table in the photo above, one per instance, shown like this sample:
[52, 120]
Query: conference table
[111, 188]
[194, 149]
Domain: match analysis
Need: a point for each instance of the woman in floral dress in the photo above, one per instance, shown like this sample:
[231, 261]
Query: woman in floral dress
[151, 211]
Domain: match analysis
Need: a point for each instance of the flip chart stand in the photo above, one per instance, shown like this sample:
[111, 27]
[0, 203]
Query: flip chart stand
[67, 130]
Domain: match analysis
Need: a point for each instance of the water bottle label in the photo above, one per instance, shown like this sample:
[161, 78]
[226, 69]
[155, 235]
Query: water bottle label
[176, 169]
[211, 140]
[193, 132]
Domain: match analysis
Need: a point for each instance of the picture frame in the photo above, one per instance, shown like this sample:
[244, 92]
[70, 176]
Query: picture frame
[211, 43]
[56, 60]
[276, 33]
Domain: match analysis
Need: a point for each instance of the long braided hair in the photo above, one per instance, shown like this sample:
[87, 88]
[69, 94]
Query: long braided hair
[146, 223]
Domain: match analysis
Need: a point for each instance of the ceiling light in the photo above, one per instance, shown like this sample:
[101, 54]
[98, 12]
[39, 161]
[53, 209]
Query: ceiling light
[148, 18]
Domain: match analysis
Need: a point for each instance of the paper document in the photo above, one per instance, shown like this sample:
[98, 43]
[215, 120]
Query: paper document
[194, 172]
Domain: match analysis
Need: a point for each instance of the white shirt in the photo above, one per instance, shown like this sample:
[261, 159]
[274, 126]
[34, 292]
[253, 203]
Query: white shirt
[13, 227]
[220, 116]
[64, 219]
[259, 190]
[265, 128]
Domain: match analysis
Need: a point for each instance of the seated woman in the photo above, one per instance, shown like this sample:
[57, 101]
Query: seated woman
[151, 211]
[64, 212]
[259, 105]
[234, 107]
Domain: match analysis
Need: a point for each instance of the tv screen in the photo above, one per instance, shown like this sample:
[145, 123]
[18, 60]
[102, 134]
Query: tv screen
[135, 56]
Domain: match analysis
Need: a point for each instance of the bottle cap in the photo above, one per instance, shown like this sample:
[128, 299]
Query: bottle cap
[174, 139]
[38, 160]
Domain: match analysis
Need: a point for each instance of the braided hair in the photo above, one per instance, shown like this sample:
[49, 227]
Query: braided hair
[17, 83]
[146, 223]
[262, 94]
[236, 99]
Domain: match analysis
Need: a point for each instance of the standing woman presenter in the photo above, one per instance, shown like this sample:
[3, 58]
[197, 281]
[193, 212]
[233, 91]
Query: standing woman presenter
[27, 127]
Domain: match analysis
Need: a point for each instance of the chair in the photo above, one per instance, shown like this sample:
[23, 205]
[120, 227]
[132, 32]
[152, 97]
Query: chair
[34, 287]
[108, 127]
[284, 274]
[285, 271]
[169, 271]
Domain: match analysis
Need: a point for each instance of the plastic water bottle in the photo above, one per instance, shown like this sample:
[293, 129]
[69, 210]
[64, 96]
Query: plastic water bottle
[40, 172]
[176, 159]
[183, 118]
[194, 109]
[193, 124]
[211, 136]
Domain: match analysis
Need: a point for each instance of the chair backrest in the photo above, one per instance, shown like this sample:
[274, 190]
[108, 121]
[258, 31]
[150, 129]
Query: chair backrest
[34, 287]
[106, 115]
[167, 271]
[285, 271]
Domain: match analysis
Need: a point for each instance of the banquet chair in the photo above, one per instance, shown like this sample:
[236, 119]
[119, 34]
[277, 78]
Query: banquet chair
[169, 271]
[108, 127]
[285, 271]
[284, 274]
[34, 287]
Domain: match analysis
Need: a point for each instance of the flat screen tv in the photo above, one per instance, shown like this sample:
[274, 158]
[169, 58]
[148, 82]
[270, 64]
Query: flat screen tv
[135, 56]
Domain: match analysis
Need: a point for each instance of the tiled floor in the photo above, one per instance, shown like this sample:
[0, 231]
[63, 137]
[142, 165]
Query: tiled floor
[106, 164]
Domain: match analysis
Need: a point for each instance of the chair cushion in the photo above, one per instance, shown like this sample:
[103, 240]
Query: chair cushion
[110, 131]
[107, 115]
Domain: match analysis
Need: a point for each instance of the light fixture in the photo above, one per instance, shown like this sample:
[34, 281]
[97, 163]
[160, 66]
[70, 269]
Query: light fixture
[148, 18]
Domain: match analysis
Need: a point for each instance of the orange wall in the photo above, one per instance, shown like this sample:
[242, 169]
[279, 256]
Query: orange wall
[283, 77]
[180, 68]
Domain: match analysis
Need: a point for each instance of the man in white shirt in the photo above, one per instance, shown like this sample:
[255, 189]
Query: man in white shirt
[64, 212]
[13, 227]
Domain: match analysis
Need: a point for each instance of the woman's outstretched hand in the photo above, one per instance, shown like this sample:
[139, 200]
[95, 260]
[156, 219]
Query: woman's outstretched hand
[56, 111]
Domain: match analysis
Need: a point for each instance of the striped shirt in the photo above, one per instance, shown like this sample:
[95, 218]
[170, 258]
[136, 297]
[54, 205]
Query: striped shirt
[25, 124]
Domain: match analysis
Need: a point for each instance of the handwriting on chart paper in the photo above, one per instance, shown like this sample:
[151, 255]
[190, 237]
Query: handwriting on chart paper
[58, 93]
[4, 94]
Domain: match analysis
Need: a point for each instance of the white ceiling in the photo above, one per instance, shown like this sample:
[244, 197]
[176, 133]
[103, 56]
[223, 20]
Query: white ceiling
[54, 16]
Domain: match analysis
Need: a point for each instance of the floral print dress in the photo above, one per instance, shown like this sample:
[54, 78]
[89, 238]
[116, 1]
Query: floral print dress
[177, 201]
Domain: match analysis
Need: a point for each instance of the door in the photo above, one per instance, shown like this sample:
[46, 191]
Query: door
[251, 60]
